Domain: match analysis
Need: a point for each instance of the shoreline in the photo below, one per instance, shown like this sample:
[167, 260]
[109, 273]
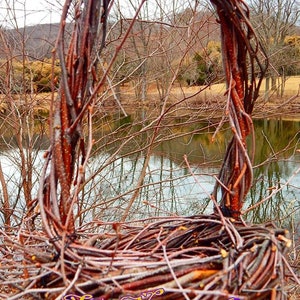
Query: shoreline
[209, 103]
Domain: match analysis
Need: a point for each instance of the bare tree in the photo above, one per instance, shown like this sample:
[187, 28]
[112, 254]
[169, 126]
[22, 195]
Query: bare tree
[158, 42]
[20, 102]
[275, 20]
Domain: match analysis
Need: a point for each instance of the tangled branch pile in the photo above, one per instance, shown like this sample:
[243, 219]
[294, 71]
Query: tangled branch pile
[199, 257]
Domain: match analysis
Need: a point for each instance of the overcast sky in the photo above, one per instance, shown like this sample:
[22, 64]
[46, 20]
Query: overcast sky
[29, 12]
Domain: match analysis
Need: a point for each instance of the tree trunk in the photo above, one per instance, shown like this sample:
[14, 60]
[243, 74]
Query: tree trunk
[274, 84]
[282, 84]
[267, 91]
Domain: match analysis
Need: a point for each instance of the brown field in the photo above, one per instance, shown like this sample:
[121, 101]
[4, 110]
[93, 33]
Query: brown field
[205, 100]
[213, 98]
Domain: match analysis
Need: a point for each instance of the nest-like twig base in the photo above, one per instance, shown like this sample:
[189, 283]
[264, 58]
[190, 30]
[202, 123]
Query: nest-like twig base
[200, 257]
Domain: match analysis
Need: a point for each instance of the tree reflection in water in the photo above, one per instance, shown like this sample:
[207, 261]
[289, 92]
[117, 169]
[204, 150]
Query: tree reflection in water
[168, 186]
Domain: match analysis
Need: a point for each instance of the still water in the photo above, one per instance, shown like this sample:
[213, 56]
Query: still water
[169, 186]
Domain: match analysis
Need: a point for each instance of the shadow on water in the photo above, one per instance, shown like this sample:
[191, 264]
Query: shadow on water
[169, 187]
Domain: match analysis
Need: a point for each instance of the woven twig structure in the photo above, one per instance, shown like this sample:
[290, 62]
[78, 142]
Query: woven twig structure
[199, 257]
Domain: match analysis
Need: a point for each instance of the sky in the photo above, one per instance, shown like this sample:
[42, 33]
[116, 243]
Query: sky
[29, 12]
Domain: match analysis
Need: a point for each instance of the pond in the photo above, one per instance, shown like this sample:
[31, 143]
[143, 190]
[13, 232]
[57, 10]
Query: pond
[169, 186]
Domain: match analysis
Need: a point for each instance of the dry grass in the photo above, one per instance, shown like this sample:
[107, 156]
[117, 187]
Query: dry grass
[210, 100]
[292, 86]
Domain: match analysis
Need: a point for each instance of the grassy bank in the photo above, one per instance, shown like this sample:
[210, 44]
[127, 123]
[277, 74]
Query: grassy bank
[202, 99]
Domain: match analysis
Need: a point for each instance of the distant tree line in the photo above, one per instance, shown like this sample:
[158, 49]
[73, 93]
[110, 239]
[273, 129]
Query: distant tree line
[200, 68]
[158, 50]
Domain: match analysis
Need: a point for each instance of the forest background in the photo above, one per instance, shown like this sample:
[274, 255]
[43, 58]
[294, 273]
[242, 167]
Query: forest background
[186, 37]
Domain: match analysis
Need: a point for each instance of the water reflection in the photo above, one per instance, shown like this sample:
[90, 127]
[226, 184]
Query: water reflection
[168, 186]
[276, 172]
